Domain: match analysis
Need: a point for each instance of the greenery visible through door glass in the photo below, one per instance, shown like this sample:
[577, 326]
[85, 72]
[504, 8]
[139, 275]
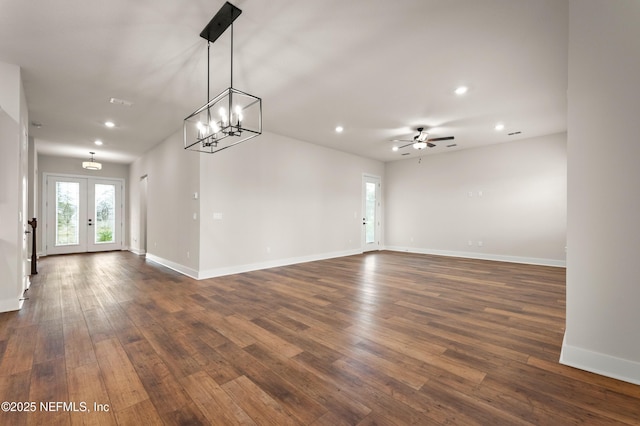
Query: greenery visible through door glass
[105, 213]
[370, 212]
[67, 206]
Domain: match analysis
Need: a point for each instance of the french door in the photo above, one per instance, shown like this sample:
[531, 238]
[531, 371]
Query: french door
[83, 214]
[371, 219]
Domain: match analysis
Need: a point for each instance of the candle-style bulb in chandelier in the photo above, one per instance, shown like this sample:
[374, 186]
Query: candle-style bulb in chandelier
[231, 117]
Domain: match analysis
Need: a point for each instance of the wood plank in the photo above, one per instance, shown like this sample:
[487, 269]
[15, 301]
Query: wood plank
[358, 387]
[78, 345]
[163, 389]
[380, 338]
[142, 413]
[217, 406]
[19, 351]
[86, 385]
[120, 378]
[14, 388]
[265, 337]
[175, 356]
[285, 394]
[49, 386]
[321, 391]
[49, 341]
[263, 409]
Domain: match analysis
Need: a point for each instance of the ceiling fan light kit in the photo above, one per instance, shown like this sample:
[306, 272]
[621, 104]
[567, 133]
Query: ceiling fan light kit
[421, 140]
[233, 116]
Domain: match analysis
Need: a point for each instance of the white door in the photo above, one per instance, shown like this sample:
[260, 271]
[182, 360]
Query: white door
[104, 215]
[83, 214]
[371, 220]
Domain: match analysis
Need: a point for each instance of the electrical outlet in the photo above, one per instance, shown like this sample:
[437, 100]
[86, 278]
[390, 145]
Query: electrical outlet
[480, 243]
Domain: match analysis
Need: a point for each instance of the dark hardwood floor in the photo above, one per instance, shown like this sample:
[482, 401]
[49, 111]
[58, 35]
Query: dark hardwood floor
[383, 338]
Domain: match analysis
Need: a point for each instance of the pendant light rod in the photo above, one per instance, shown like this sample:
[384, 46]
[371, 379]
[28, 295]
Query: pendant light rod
[237, 115]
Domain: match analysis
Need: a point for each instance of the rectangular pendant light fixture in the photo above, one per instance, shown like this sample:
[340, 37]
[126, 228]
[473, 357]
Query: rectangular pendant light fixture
[231, 117]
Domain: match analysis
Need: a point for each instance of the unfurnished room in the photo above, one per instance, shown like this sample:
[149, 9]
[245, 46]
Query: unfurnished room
[322, 212]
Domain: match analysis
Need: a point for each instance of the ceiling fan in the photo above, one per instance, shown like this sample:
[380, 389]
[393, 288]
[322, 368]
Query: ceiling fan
[421, 140]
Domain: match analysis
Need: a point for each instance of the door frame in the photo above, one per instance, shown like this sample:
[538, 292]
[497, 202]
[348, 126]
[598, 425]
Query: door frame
[142, 233]
[23, 168]
[45, 206]
[376, 245]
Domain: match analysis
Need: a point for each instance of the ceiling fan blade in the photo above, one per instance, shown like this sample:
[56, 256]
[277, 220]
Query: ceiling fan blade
[446, 138]
[430, 145]
[404, 146]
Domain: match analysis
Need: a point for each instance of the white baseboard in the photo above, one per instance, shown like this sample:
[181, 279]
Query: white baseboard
[8, 305]
[190, 272]
[599, 363]
[238, 269]
[137, 251]
[482, 256]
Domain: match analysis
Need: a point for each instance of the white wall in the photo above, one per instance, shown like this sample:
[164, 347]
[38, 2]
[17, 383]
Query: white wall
[13, 188]
[510, 198]
[73, 166]
[282, 201]
[173, 176]
[9, 250]
[299, 200]
[603, 235]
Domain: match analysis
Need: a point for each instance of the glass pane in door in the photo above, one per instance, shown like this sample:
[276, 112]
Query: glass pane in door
[370, 212]
[67, 209]
[105, 201]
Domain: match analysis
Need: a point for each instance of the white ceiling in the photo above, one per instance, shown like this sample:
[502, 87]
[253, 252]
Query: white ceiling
[380, 68]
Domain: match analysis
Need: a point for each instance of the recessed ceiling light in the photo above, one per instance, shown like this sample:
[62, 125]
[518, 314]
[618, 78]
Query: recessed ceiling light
[339, 129]
[395, 148]
[461, 90]
[499, 127]
[98, 142]
[109, 124]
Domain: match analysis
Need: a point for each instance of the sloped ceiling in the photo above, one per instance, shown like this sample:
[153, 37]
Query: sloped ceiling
[378, 68]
